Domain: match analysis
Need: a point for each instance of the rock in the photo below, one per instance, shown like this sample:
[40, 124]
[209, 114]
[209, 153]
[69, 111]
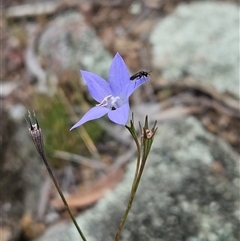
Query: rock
[189, 191]
[7, 87]
[68, 43]
[201, 40]
[21, 170]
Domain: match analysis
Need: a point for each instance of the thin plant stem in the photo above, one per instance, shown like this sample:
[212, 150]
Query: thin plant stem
[134, 135]
[138, 162]
[143, 150]
[62, 197]
[134, 187]
[132, 195]
[37, 138]
[143, 162]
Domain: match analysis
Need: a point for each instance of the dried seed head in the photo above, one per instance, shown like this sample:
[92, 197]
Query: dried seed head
[35, 132]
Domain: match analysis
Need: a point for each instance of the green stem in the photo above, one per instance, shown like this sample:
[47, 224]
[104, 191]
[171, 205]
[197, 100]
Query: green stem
[143, 162]
[143, 151]
[138, 164]
[62, 196]
[134, 187]
[133, 192]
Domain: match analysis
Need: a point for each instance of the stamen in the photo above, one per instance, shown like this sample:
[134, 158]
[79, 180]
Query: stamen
[104, 101]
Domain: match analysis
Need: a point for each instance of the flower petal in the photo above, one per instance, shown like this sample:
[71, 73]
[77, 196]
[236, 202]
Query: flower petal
[119, 77]
[135, 84]
[94, 113]
[98, 87]
[120, 115]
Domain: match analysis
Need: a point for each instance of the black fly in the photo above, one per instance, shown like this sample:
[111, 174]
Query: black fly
[139, 75]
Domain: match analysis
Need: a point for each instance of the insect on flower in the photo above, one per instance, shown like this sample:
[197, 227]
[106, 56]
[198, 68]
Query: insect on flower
[140, 74]
[112, 96]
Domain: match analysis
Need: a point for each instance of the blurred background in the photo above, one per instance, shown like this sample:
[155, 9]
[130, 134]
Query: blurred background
[190, 188]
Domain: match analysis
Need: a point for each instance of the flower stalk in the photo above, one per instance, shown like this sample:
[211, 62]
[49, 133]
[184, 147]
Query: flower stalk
[143, 149]
[36, 134]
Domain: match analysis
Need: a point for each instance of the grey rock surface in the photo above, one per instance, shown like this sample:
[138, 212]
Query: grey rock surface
[69, 43]
[20, 169]
[189, 191]
[201, 40]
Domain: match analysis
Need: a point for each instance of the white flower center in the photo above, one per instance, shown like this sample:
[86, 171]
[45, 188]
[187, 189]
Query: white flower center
[111, 102]
[114, 102]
